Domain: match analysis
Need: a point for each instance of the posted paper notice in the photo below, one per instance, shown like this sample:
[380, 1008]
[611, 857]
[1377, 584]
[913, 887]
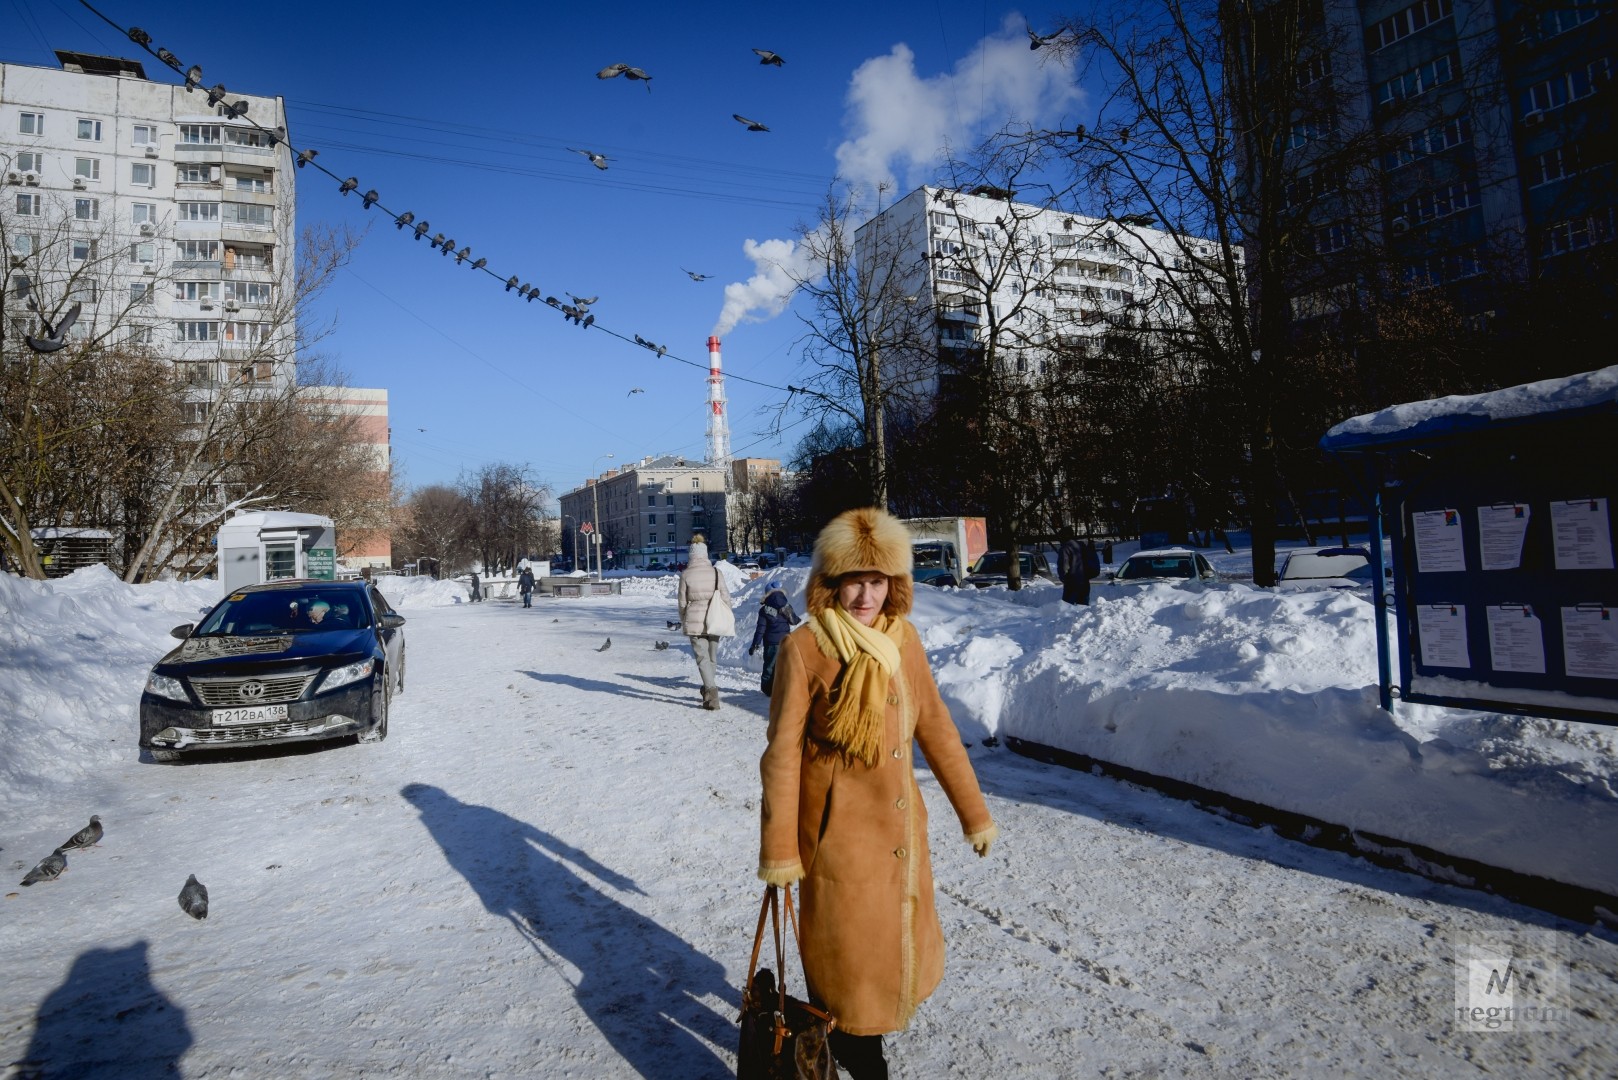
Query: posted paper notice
[1438, 541]
[1583, 537]
[1516, 642]
[1442, 628]
[1590, 641]
[1500, 535]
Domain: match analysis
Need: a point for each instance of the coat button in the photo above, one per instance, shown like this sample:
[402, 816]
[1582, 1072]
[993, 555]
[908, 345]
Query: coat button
[893, 699]
[898, 853]
[895, 751]
[900, 804]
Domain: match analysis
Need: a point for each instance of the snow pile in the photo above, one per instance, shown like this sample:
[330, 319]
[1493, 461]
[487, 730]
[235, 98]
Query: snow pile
[1269, 697]
[1550, 395]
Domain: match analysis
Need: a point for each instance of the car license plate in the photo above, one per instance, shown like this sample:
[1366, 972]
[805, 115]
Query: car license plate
[250, 714]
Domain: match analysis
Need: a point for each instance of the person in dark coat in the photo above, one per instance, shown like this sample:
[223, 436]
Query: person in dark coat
[1092, 560]
[525, 585]
[477, 589]
[1070, 569]
[775, 621]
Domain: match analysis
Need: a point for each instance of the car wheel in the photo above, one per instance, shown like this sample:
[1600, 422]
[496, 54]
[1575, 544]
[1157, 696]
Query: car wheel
[379, 731]
[165, 757]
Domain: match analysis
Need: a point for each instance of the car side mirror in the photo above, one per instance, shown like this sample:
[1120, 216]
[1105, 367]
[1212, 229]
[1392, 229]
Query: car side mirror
[1111, 575]
[182, 631]
[392, 621]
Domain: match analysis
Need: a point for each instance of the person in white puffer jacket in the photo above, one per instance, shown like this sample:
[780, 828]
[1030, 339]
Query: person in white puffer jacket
[701, 586]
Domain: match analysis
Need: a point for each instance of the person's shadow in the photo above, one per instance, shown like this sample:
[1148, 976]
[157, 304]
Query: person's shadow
[107, 1020]
[646, 990]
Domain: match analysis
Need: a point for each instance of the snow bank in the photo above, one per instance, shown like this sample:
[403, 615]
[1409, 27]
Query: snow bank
[1581, 391]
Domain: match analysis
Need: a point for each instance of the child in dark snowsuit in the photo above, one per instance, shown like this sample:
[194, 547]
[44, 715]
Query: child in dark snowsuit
[775, 622]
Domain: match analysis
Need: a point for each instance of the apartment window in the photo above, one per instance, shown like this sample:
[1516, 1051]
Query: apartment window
[651, 500]
[1441, 202]
[89, 130]
[140, 292]
[87, 209]
[143, 135]
[247, 258]
[671, 536]
[1330, 238]
[247, 137]
[1578, 233]
[87, 168]
[696, 485]
[31, 161]
[83, 250]
[248, 292]
[24, 244]
[86, 292]
[1557, 163]
[143, 213]
[246, 333]
[192, 174]
[1412, 20]
[31, 123]
[196, 330]
[1432, 141]
[1314, 69]
[27, 205]
[1448, 266]
[1567, 87]
[196, 291]
[197, 211]
[258, 185]
[670, 499]
[1417, 81]
[197, 250]
[247, 214]
[144, 252]
[1309, 130]
[140, 335]
[199, 134]
[142, 175]
[1559, 19]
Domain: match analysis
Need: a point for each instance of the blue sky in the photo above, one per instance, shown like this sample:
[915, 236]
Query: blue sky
[464, 115]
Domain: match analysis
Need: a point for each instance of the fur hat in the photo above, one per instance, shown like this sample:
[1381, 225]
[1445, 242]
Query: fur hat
[864, 539]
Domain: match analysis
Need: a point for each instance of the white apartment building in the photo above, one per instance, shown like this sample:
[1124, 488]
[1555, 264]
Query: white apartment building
[648, 511]
[168, 219]
[967, 265]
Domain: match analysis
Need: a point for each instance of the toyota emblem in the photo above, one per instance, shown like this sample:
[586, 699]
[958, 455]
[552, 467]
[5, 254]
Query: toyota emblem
[251, 691]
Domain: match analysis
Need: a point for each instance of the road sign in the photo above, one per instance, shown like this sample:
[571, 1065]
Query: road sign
[586, 527]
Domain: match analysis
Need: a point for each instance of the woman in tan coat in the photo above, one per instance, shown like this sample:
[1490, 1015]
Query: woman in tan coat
[841, 808]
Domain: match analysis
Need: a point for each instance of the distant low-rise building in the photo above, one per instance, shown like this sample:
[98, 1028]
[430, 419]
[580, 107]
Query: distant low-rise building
[648, 511]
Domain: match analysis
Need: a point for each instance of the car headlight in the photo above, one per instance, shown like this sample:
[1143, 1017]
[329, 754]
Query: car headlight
[348, 673]
[166, 686]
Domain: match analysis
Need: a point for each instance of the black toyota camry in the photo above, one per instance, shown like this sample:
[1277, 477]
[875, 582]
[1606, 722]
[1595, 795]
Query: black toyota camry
[289, 661]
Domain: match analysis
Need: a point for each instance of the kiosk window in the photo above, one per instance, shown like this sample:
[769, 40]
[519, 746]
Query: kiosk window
[280, 561]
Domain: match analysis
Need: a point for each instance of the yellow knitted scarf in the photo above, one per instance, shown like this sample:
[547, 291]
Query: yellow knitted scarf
[870, 656]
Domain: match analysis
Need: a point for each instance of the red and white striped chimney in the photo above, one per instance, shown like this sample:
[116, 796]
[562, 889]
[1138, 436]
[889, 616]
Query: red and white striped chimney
[718, 422]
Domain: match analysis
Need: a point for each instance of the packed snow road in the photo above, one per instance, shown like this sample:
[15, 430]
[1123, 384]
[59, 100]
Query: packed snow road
[547, 871]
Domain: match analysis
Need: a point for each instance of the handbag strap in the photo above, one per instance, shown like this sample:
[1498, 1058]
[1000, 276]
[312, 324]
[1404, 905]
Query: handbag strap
[770, 905]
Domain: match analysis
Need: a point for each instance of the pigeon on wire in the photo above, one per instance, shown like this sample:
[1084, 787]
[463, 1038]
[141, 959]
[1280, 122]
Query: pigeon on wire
[49, 869]
[694, 276]
[88, 836]
[598, 160]
[605, 647]
[194, 898]
[765, 56]
[55, 336]
[752, 125]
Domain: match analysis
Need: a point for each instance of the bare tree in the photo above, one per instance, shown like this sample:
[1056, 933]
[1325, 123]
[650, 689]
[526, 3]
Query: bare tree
[507, 507]
[434, 524]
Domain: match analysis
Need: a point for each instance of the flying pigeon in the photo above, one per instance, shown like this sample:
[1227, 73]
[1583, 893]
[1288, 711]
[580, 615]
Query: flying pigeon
[583, 301]
[88, 836]
[635, 74]
[49, 869]
[605, 647]
[752, 125]
[194, 898]
[55, 336]
[598, 160]
[694, 276]
[765, 56]
[637, 390]
[612, 71]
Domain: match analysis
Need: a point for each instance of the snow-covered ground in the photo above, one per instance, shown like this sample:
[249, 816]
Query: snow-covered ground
[547, 868]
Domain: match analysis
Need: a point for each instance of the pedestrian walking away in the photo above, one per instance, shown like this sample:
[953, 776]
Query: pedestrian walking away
[775, 621]
[477, 590]
[525, 585]
[704, 614]
[872, 945]
[1071, 569]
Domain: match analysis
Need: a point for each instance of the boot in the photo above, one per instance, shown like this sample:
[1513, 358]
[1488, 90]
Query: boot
[710, 697]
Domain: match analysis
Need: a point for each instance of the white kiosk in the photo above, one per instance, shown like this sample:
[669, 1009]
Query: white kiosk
[272, 545]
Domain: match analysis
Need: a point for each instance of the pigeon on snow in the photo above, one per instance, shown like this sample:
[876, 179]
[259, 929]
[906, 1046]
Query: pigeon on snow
[660, 645]
[49, 869]
[194, 898]
[85, 837]
[605, 647]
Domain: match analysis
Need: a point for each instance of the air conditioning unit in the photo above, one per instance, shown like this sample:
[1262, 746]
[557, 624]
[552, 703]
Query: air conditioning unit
[31, 179]
[1533, 119]
[205, 304]
[149, 268]
[1399, 226]
[14, 177]
[232, 305]
[151, 151]
[78, 182]
[19, 260]
[147, 229]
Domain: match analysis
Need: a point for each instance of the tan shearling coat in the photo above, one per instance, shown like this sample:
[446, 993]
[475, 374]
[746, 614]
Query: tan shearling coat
[872, 945]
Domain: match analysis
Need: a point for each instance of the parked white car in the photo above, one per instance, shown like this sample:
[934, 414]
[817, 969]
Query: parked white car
[1164, 564]
[1326, 568]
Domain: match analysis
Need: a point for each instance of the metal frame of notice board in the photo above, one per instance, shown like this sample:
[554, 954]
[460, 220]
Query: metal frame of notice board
[1505, 594]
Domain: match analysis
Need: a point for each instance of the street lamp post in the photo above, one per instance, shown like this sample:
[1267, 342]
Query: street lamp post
[595, 508]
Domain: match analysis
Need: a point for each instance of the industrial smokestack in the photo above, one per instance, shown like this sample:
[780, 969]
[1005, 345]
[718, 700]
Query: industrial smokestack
[718, 422]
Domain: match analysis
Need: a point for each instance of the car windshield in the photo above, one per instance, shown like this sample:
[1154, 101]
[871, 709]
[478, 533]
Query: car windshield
[280, 612]
[1325, 564]
[997, 562]
[1156, 566]
[928, 557]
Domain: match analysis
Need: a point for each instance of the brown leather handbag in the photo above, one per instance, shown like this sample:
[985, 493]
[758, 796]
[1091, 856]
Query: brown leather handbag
[782, 1037]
